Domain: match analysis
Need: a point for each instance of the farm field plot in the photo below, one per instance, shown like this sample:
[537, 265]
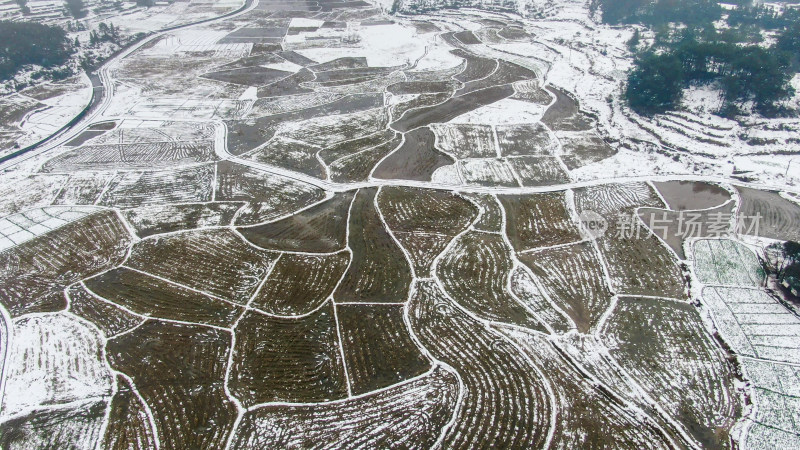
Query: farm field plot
[664, 345]
[726, 262]
[573, 278]
[474, 271]
[538, 220]
[377, 347]
[412, 224]
[217, 262]
[779, 216]
[379, 271]
[424, 221]
[294, 360]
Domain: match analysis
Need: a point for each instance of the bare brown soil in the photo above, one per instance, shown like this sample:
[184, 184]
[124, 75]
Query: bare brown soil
[664, 344]
[538, 220]
[214, 261]
[378, 349]
[152, 297]
[379, 271]
[108, 318]
[451, 108]
[321, 228]
[504, 402]
[298, 284]
[474, 273]
[409, 415]
[574, 280]
[178, 370]
[294, 360]
[415, 159]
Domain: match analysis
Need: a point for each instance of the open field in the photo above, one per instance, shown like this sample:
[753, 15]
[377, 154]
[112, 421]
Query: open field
[405, 225]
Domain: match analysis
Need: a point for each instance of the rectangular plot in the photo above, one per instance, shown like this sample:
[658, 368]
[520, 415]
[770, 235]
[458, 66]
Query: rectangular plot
[771, 330]
[790, 355]
[537, 220]
[538, 170]
[465, 141]
[378, 349]
[487, 172]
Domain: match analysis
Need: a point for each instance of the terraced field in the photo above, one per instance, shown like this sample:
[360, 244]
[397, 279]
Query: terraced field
[365, 224]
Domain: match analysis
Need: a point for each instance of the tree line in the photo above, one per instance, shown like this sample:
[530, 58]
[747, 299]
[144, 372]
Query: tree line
[697, 52]
[24, 43]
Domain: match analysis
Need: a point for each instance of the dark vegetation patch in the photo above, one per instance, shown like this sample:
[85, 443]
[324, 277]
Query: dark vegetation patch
[564, 114]
[179, 371]
[467, 38]
[299, 284]
[421, 100]
[214, 261]
[452, 108]
[293, 360]
[128, 425]
[36, 272]
[351, 147]
[416, 159]
[359, 166]
[258, 35]
[32, 43]
[379, 271]
[378, 349]
[297, 58]
[422, 87]
[537, 220]
[347, 62]
[248, 76]
[477, 67]
[155, 298]
[505, 73]
[321, 228]
[287, 86]
[362, 74]
[574, 280]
